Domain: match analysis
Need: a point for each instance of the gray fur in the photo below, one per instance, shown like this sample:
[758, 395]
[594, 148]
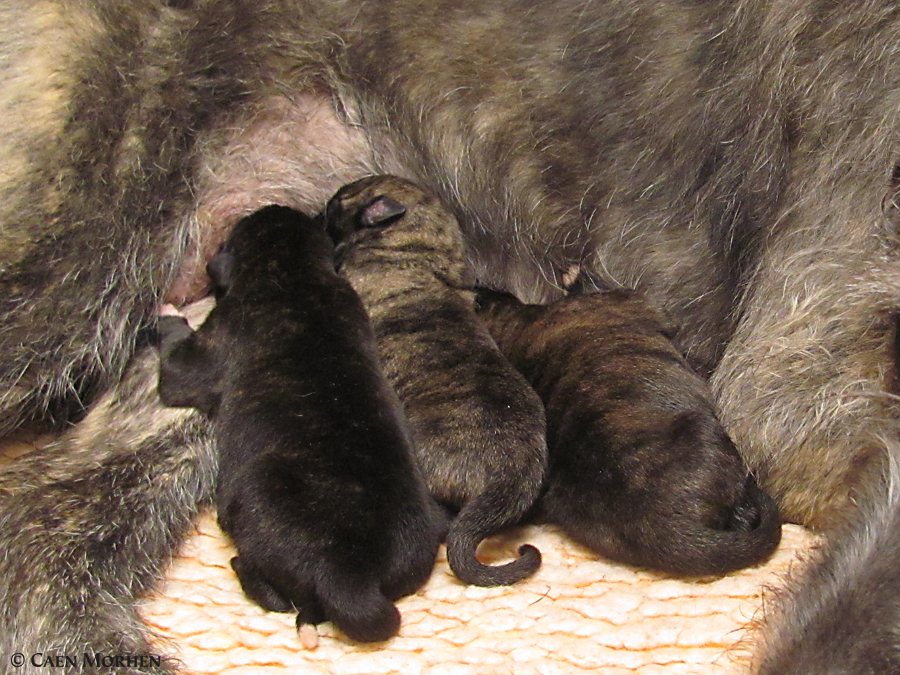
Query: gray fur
[94, 518]
[840, 614]
[734, 160]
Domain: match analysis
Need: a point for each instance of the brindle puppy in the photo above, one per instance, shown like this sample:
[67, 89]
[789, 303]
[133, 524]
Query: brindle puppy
[641, 470]
[317, 485]
[478, 427]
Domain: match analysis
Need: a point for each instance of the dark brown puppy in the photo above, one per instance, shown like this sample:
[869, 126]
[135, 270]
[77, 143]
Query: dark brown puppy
[317, 484]
[641, 470]
[478, 426]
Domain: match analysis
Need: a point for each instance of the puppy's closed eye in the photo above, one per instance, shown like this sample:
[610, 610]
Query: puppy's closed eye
[381, 212]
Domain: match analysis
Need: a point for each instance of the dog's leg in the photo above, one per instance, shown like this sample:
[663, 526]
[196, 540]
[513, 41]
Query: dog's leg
[805, 388]
[841, 614]
[91, 521]
[805, 385]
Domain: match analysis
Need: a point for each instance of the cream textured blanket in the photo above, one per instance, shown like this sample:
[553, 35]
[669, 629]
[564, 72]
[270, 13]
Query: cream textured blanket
[577, 614]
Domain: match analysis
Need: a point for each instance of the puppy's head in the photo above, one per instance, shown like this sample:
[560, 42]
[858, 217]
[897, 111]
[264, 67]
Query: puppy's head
[395, 220]
[275, 239]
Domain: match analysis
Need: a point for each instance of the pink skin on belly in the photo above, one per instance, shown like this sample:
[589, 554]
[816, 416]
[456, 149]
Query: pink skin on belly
[295, 152]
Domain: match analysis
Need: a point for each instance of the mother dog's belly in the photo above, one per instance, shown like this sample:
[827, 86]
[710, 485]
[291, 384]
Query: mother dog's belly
[294, 151]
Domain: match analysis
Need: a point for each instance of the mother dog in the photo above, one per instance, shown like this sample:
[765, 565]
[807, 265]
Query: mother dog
[734, 160]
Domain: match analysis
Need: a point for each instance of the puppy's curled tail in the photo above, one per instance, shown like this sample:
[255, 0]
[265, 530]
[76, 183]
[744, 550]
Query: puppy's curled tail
[500, 505]
[751, 534]
[360, 610]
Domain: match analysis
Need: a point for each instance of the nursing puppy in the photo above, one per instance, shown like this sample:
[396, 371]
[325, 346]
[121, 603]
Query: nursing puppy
[477, 426]
[317, 486]
[641, 471]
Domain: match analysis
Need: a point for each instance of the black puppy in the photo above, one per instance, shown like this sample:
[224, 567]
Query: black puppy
[478, 426]
[317, 483]
[640, 469]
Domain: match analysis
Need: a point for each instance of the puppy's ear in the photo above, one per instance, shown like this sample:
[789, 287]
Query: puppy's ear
[337, 222]
[170, 330]
[221, 270]
[381, 212]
